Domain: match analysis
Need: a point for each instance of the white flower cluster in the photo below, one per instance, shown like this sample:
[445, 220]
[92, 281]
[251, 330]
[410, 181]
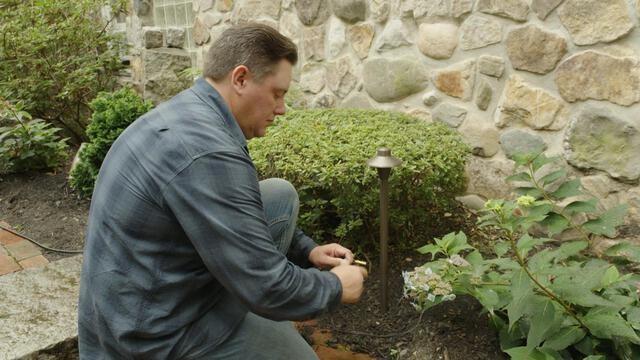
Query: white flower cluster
[424, 288]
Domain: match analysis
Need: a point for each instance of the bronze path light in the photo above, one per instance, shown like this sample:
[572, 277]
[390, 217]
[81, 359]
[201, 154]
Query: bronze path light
[384, 162]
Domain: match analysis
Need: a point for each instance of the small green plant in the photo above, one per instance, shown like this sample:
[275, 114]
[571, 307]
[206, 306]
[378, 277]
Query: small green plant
[28, 144]
[56, 55]
[547, 301]
[112, 113]
[324, 153]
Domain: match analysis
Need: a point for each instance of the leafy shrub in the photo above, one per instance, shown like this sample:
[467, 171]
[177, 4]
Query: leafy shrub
[28, 144]
[112, 113]
[324, 152]
[57, 57]
[547, 302]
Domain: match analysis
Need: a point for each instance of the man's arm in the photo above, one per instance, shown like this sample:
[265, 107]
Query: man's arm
[217, 201]
[301, 246]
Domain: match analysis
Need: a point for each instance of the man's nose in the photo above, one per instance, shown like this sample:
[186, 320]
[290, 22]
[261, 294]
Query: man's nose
[280, 109]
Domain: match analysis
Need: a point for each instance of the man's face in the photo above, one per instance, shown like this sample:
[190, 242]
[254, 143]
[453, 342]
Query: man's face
[261, 101]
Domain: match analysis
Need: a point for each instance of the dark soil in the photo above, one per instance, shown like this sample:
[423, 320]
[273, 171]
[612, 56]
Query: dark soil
[453, 330]
[44, 208]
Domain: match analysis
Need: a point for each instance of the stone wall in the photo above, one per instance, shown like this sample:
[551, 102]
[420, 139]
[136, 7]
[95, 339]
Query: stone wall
[508, 74]
[159, 62]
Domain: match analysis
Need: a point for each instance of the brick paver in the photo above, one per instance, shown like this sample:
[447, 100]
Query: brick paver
[8, 265]
[34, 261]
[320, 338]
[329, 353]
[23, 249]
[17, 253]
[7, 238]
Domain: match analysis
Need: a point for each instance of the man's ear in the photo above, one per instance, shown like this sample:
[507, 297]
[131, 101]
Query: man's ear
[239, 77]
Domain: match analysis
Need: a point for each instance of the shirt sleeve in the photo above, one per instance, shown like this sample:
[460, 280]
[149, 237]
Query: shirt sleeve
[301, 246]
[216, 200]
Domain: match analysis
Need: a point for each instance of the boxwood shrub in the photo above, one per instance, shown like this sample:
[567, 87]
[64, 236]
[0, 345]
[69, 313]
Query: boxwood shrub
[112, 113]
[324, 152]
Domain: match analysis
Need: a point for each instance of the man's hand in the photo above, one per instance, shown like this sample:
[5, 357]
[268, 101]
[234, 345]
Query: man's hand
[330, 255]
[352, 279]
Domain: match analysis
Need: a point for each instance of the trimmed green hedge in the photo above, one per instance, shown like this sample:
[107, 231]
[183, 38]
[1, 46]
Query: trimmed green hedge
[324, 152]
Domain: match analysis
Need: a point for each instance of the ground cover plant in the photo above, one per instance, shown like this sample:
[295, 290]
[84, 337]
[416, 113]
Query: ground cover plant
[28, 144]
[112, 113]
[324, 152]
[55, 56]
[546, 301]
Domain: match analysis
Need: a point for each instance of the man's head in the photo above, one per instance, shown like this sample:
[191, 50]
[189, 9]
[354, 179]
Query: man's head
[251, 66]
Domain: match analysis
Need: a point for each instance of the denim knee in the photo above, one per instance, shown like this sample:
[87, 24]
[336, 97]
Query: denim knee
[280, 190]
[281, 206]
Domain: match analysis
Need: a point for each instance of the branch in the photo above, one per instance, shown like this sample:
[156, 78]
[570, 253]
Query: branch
[545, 290]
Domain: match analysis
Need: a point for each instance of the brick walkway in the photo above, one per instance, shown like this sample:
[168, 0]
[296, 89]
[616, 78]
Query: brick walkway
[17, 253]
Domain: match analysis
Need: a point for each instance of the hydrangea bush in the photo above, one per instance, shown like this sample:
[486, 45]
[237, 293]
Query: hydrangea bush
[28, 144]
[548, 298]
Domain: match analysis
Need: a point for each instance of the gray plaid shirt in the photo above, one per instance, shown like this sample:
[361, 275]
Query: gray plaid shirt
[177, 247]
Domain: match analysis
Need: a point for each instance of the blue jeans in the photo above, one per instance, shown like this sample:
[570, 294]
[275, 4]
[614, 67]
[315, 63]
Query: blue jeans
[258, 338]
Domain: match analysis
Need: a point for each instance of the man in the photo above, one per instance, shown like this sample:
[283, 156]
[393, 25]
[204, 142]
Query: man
[188, 255]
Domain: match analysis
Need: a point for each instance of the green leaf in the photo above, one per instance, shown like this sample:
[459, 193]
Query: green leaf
[606, 323]
[520, 353]
[587, 206]
[623, 301]
[522, 292]
[459, 244]
[606, 224]
[625, 250]
[540, 260]
[567, 189]
[522, 176]
[508, 338]
[531, 191]
[475, 259]
[542, 160]
[565, 337]
[487, 297]
[610, 276]
[577, 287]
[587, 345]
[504, 264]
[430, 249]
[552, 176]
[524, 353]
[526, 243]
[555, 223]
[501, 248]
[522, 159]
[595, 357]
[551, 354]
[539, 212]
[541, 321]
[633, 317]
[568, 250]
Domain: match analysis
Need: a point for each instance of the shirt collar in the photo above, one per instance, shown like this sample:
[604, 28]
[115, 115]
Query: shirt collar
[210, 95]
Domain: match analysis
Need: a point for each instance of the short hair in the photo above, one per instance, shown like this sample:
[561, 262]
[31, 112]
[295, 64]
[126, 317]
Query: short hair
[258, 47]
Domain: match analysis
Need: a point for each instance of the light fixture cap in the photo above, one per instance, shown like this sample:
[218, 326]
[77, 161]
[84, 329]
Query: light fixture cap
[384, 160]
